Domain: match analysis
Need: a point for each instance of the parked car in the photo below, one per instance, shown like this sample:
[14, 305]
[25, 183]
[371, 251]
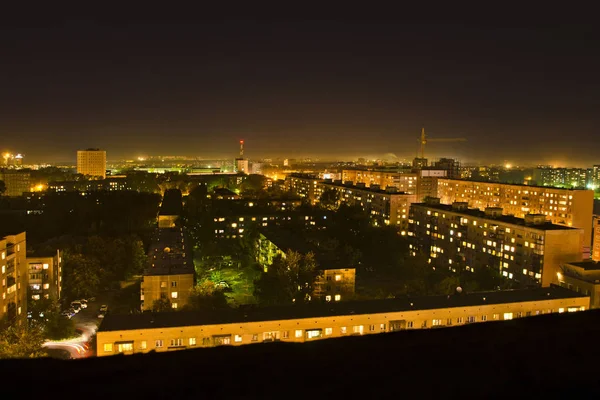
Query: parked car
[76, 305]
[83, 303]
[101, 314]
[103, 308]
[67, 314]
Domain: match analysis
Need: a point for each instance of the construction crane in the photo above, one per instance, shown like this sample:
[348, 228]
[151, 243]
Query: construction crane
[424, 140]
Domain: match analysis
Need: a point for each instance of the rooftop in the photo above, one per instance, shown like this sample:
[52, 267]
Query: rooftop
[507, 219]
[167, 254]
[587, 265]
[171, 203]
[117, 322]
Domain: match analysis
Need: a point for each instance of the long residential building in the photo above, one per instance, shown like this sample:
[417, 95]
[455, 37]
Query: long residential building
[529, 250]
[141, 333]
[14, 275]
[561, 206]
[582, 277]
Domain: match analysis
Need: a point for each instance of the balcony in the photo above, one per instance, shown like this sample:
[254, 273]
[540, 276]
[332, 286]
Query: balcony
[11, 289]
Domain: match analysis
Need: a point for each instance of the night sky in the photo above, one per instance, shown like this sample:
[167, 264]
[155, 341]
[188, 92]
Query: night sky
[296, 89]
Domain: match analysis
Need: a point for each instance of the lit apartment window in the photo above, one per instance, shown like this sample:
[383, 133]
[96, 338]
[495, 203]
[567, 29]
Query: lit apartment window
[338, 278]
[108, 347]
[338, 297]
[343, 330]
[358, 329]
[3, 255]
[46, 286]
[176, 342]
[436, 322]
[328, 331]
[143, 345]
[174, 305]
[298, 333]
[328, 298]
[35, 297]
[237, 338]
[19, 311]
[561, 310]
[158, 343]
[125, 347]
[173, 295]
[192, 341]
[314, 333]
[3, 269]
[508, 315]
[163, 284]
[45, 266]
[382, 327]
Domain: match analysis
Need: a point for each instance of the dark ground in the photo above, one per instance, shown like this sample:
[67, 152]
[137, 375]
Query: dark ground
[553, 356]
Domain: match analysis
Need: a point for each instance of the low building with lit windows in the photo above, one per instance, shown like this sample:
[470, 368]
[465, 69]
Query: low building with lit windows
[14, 275]
[141, 333]
[233, 226]
[45, 275]
[170, 275]
[582, 277]
[336, 282]
[528, 250]
[569, 207]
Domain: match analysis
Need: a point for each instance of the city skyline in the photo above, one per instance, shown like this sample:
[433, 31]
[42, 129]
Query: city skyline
[299, 89]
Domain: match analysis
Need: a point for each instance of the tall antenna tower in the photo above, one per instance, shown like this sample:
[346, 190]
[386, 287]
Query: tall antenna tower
[241, 149]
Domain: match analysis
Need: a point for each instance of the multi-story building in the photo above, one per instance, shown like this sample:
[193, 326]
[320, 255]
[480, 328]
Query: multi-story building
[582, 277]
[596, 239]
[111, 184]
[14, 274]
[563, 177]
[242, 165]
[450, 165]
[336, 282]
[403, 181]
[17, 182]
[303, 186]
[386, 207]
[529, 250]
[91, 162]
[561, 206]
[170, 209]
[170, 275]
[142, 333]
[45, 276]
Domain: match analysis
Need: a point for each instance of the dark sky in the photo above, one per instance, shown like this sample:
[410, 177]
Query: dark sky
[292, 89]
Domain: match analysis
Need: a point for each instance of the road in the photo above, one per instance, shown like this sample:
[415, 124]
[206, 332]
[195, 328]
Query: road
[86, 322]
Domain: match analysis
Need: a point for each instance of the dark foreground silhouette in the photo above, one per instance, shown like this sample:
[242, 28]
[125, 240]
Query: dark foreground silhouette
[552, 356]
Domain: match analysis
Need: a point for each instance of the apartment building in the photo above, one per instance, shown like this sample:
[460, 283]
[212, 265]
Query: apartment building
[45, 275]
[141, 333]
[336, 282]
[171, 273]
[582, 277]
[529, 250]
[303, 186]
[386, 207]
[171, 208]
[567, 207]
[91, 162]
[14, 274]
[17, 182]
[596, 238]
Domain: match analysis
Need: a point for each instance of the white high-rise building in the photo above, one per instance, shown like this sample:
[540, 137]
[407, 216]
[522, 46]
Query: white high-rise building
[92, 162]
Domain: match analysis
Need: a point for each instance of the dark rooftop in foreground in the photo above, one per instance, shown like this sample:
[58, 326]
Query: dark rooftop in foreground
[535, 357]
[508, 219]
[116, 322]
[171, 203]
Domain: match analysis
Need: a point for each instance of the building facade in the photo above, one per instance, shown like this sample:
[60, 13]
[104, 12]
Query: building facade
[596, 238]
[92, 162]
[17, 182]
[141, 333]
[529, 250]
[13, 264]
[45, 276]
[582, 277]
[561, 206]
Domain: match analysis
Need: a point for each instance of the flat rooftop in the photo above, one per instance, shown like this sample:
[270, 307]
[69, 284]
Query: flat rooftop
[507, 219]
[167, 254]
[116, 322]
[587, 265]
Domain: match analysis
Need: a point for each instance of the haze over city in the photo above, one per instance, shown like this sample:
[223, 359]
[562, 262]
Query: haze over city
[336, 90]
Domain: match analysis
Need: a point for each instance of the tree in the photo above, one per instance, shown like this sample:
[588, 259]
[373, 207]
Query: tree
[21, 340]
[290, 279]
[329, 199]
[59, 327]
[207, 296]
[81, 275]
[162, 305]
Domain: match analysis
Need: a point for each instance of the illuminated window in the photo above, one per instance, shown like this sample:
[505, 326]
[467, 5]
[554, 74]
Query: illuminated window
[174, 305]
[35, 297]
[343, 330]
[176, 342]
[338, 278]
[163, 284]
[328, 331]
[338, 297]
[314, 333]
[3, 269]
[382, 327]
[192, 341]
[496, 316]
[124, 347]
[46, 286]
[238, 338]
[561, 310]
[173, 295]
[143, 345]
[3, 255]
[327, 298]
[358, 329]
[508, 315]
[436, 322]
[45, 266]
[108, 347]
[298, 333]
